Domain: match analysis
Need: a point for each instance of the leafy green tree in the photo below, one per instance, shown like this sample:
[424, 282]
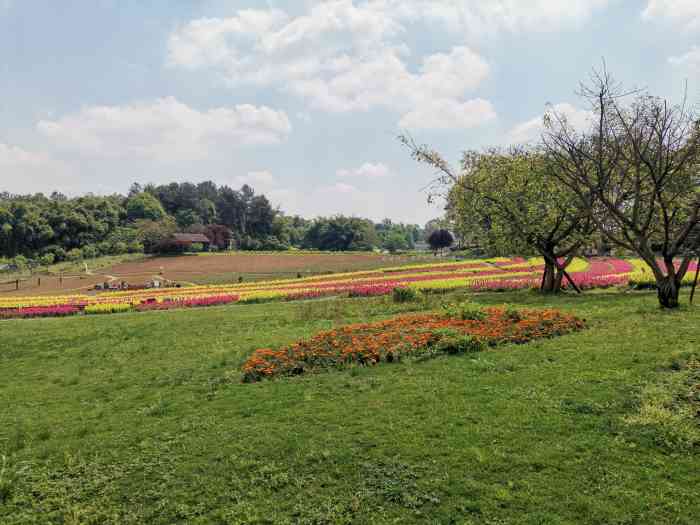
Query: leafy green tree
[90, 251]
[520, 205]
[47, 259]
[75, 255]
[440, 239]
[206, 211]
[154, 234]
[144, 206]
[395, 241]
[341, 233]
[187, 218]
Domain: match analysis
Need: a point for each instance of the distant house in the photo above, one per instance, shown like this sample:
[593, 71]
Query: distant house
[184, 241]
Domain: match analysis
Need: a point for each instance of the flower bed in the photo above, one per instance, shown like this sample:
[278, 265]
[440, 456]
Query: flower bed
[498, 274]
[412, 335]
[195, 302]
[108, 308]
[39, 311]
[371, 290]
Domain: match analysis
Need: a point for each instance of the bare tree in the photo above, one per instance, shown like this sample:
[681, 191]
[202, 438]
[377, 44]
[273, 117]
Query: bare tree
[637, 171]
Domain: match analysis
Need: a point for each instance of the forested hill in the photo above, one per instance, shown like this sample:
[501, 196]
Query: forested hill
[54, 228]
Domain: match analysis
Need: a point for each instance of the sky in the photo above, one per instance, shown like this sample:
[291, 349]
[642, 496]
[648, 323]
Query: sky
[304, 99]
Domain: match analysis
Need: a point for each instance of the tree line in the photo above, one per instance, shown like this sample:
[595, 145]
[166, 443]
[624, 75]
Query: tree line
[44, 229]
[630, 181]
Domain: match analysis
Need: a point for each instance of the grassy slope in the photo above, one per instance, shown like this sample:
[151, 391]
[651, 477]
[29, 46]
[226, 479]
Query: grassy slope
[139, 418]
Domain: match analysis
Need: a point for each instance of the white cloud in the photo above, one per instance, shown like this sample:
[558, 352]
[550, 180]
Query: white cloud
[448, 114]
[475, 19]
[340, 57]
[531, 130]
[30, 171]
[367, 170]
[14, 157]
[689, 61]
[346, 199]
[256, 179]
[685, 13]
[164, 130]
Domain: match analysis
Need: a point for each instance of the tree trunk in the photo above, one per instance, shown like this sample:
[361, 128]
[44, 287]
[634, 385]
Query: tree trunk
[668, 291]
[695, 281]
[551, 280]
[558, 280]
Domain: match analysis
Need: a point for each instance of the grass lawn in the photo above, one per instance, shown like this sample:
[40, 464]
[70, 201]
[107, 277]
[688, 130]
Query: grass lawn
[141, 418]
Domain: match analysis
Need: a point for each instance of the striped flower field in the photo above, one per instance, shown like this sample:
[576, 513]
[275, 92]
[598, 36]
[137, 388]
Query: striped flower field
[475, 275]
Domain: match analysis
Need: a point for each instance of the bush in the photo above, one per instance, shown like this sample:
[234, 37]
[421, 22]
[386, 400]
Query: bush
[406, 295]
[58, 252]
[135, 247]
[74, 255]
[456, 343]
[104, 248]
[47, 259]
[513, 314]
[90, 251]
[464, 311]
[20, 263]
[118, 248]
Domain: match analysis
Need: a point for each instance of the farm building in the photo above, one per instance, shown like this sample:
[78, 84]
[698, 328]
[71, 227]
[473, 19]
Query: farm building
[185, 241]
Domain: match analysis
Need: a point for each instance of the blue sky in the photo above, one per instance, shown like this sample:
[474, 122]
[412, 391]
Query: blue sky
[304, 99]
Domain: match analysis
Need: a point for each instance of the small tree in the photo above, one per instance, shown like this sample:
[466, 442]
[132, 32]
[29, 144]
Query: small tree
[75, 255]
[47, 259]
[440, 239]
[515, 204]
[154, 234]
[520, 208]
[395, 241]
[637, 169]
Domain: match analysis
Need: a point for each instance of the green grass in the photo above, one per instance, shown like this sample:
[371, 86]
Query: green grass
[140, 418]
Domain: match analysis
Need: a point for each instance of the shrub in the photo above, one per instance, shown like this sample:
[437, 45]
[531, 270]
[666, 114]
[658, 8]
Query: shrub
[465, 312]
[90, 251]
[20, 263]
[47, 259]
[405, 295]
[512, 313]
[74, 255]
[118, 248]
[58, 252]
[135, 247]
[456, 343]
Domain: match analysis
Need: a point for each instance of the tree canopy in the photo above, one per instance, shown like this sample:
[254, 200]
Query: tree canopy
[637, 170]
[52, 228]
[508, 201]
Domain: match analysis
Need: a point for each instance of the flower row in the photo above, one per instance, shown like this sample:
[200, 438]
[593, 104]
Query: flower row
[107, 308]
[476, 275]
